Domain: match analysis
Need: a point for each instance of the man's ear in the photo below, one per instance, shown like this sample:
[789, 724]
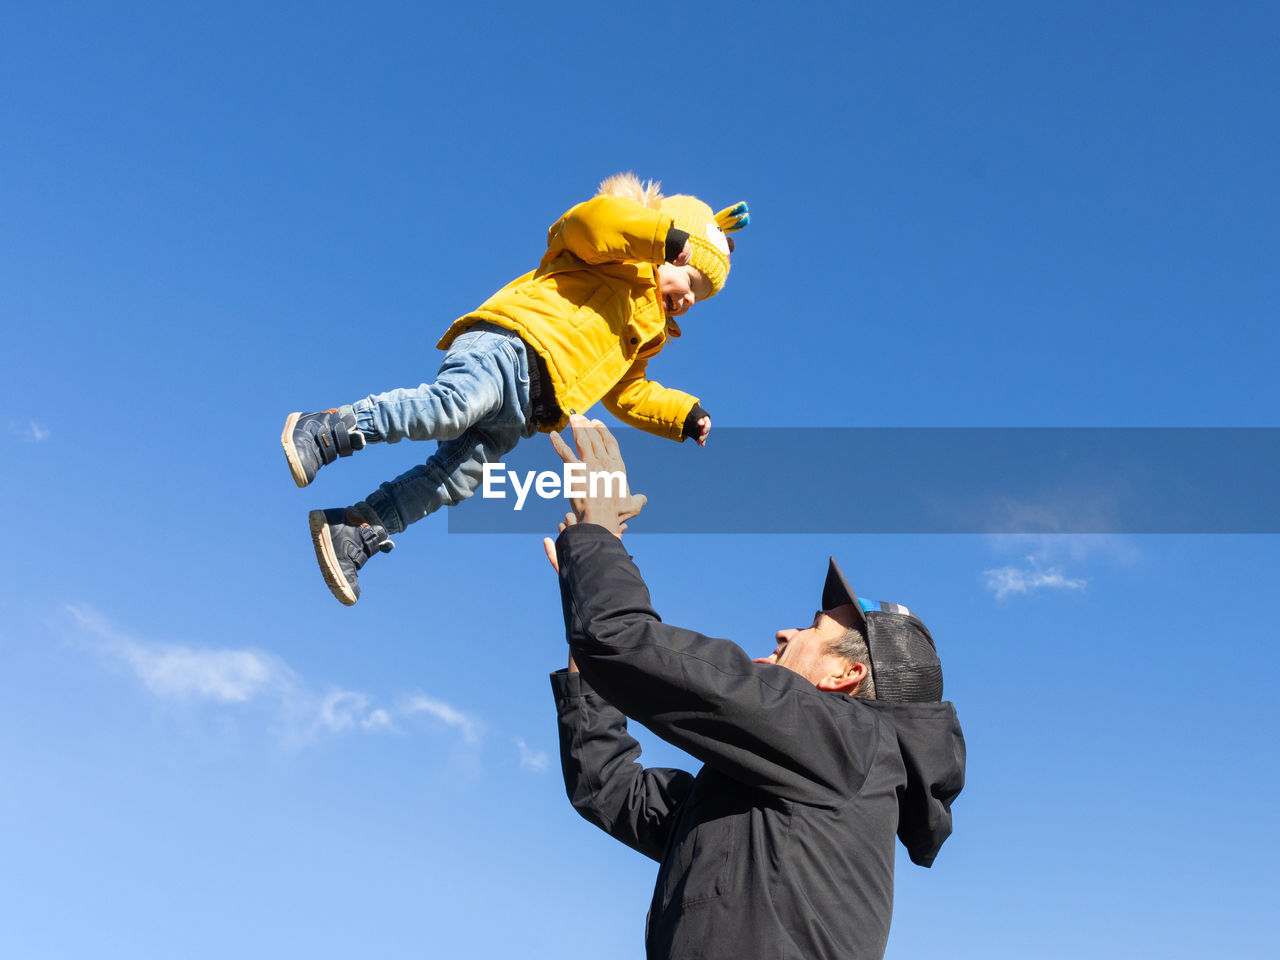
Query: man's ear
[846, 680]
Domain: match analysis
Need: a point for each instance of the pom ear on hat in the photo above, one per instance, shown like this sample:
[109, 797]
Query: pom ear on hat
[733, 218]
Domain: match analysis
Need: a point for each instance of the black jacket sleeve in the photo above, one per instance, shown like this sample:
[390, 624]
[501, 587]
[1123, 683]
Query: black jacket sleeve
[602, 777]
[758, 723]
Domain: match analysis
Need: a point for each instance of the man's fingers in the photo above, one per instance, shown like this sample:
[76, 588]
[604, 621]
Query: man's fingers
[633, 506]
[598, 452]
[583, 434]
[562, 448]
[599, 448]
[596, 444]
[587, 435]
[610, 443]
[549, 546]
[569, 520]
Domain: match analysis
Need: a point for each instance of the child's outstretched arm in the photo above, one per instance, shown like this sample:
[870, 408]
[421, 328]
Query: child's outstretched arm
[649, 406]
[614, 229]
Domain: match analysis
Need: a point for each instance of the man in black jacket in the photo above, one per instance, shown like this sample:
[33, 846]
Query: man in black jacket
[782, 845]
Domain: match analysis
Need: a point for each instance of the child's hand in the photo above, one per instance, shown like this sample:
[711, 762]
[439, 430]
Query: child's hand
[685, 254]
[705, 431]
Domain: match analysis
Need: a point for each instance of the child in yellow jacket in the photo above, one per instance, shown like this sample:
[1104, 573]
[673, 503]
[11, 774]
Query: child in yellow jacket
[618, 270]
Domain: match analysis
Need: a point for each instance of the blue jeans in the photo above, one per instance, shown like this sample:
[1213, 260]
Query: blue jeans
[478, 409]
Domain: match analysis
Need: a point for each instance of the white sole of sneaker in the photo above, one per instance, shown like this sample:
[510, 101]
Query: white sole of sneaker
[328, 559]
[291, 452]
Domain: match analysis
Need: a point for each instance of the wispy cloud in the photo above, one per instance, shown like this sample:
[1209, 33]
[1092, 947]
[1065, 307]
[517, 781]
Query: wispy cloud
[180, 672]
[32, 431]
[1007, 581]
[378, 720]
[469, 728]
[1052, 561]
[343, 709]
[227, 678]
[530, 759]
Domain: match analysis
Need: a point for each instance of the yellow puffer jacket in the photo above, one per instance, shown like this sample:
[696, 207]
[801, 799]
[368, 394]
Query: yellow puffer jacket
[592, 311]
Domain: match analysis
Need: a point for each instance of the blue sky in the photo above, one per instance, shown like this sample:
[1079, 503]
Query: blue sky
[992, 214]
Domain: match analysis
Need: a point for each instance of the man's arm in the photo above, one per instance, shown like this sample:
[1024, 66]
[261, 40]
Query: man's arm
[602, 775]
[760, 724]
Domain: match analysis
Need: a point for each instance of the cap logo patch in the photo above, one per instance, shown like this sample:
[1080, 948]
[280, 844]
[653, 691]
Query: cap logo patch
[888, 607]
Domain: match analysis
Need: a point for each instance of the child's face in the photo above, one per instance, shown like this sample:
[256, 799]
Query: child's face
[681, 288]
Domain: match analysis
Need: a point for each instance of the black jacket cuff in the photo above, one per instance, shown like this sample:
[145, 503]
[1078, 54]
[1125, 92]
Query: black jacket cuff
[566, 684]
[691, 428]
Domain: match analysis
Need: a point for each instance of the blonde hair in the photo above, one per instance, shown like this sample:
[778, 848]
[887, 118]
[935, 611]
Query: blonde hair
[627, 185]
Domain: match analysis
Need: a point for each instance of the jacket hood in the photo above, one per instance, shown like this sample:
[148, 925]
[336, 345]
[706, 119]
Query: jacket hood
[932, 748]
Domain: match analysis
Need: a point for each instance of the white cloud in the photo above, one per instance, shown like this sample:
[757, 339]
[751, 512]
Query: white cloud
[230, 677]
[534, 760]
[31, 431]
[180, 672]
[378, 720]
[1044, 559]
[1006, 581]
[450, 716]
[342, 709]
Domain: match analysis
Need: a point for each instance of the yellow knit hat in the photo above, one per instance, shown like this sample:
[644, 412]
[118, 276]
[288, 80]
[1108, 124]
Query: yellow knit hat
[707, 241]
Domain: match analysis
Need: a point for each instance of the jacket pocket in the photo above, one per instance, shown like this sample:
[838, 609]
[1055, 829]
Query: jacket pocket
[595, 307]
[700, 863]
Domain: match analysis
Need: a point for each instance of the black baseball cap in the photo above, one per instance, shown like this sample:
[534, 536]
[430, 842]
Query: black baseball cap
[904, 661]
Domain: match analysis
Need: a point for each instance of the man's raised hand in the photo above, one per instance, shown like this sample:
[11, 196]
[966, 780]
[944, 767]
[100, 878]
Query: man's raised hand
[608, 502]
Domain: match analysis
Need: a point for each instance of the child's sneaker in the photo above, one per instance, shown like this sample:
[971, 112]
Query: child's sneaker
[344, 539]
[311, 440]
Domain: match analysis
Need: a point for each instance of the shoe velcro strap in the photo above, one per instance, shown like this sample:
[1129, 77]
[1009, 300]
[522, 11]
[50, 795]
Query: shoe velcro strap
[327, 448]
[348, 439]
[343, 439]
[374, 542]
